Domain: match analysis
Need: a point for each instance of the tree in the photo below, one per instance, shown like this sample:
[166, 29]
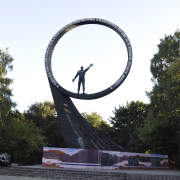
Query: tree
[173, 99]
[17, 137]
[6, 104]
[43, 115]
[162, 129]
[20, 138]
[174, 94]
[167, 52]
[126, 123]
[97, 121]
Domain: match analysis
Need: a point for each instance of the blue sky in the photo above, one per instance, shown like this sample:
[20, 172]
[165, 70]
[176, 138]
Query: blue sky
[28, 26]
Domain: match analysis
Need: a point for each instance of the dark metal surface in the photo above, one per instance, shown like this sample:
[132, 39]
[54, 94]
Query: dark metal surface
[69, 27]
[77, 132]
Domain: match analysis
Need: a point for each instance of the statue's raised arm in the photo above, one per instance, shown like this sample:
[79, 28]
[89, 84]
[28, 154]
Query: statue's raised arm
[88, 67]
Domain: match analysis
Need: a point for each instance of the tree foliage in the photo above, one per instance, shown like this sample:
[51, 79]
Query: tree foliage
[6, 104]
[97, 121]
[167, 52]
[126, 123]
[17, 137]
[20, 138]
[162, 130]
[43, 115]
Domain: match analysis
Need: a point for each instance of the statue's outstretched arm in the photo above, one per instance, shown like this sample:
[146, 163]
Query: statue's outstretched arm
[88, 67]
[75, 77]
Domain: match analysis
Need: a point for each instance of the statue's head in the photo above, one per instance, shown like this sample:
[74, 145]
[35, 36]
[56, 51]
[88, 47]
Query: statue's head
[82, 67]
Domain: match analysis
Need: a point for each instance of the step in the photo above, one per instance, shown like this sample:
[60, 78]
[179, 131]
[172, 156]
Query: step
[62, 173]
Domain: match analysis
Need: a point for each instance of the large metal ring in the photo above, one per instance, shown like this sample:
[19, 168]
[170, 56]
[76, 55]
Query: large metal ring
[69, 27]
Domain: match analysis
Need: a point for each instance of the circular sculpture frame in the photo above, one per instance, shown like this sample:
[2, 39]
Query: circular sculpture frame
[65, 29]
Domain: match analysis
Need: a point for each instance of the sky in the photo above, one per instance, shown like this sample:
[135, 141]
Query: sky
[28, 26]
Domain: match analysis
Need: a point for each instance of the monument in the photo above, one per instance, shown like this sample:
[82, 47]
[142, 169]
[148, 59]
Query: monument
[86, 146]
[77, 132]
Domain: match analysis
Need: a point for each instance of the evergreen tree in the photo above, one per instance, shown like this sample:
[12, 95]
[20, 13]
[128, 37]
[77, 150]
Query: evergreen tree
[6, 104]
[17, 137]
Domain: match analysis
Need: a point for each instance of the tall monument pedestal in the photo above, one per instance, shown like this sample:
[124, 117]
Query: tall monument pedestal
[77, 132]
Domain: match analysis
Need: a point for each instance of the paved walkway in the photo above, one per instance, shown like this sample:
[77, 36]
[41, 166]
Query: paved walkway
[151, 172]
[142, 172]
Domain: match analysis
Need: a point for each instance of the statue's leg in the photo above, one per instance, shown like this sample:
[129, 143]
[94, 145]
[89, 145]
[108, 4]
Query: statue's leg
[83, 84]
[79, 84]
